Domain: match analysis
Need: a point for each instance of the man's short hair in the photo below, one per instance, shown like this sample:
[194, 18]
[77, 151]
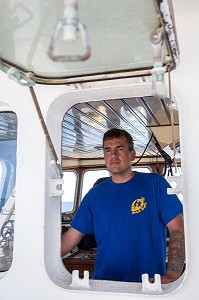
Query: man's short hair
[115, 133]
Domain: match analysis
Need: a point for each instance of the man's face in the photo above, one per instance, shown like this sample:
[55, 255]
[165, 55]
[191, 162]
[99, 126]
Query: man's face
[117, 155]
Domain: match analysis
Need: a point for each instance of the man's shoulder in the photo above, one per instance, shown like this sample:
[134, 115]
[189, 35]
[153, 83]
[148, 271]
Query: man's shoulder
[150, 176]
[98, 186]
[100, 180]
[101, 185]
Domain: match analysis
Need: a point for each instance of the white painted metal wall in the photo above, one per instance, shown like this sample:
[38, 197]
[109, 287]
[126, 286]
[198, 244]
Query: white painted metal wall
[37, 271]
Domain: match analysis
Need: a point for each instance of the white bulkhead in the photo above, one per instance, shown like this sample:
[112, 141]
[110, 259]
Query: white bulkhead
[37, 271]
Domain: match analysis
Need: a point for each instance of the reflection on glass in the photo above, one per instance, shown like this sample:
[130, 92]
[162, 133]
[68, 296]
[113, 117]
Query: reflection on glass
[69, 187]
[8, 138]
[90, 177]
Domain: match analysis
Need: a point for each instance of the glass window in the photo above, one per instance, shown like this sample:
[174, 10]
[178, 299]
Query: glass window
[8, 145]
[69, 187]
[90, 177]
[125, 49]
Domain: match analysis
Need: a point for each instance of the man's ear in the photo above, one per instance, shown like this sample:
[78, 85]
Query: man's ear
[133, 154]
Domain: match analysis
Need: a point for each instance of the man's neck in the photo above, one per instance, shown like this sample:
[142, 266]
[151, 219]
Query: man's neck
[121, 178]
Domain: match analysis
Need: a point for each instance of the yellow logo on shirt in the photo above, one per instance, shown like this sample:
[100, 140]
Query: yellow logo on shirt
[138, 205]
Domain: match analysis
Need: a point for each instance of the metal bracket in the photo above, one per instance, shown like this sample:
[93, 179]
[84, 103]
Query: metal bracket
[55, 189]
[178, 181]
[17, 75]
[158, 70]
[80, 282]
[148, 287]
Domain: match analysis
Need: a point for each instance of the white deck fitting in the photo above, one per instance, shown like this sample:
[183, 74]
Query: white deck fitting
[148, 287]
[78, 282]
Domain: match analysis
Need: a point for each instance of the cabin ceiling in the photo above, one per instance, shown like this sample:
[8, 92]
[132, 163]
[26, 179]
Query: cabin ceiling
[85, 123]
[35, 38]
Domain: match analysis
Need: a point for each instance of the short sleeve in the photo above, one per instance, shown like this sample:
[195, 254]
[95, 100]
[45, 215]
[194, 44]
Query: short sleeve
[83, 219]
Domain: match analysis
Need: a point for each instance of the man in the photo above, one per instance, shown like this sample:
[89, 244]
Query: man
[128, 214]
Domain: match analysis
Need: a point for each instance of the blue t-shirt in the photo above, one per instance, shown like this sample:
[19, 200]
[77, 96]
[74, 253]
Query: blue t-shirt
[129, 222]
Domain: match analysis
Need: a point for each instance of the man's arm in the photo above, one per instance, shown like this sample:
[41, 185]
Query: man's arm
[70, 239]
[176, 252]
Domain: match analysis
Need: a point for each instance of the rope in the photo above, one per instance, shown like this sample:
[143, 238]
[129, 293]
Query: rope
[45, 129]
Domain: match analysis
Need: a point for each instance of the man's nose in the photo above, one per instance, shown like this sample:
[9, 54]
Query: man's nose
[114, 152]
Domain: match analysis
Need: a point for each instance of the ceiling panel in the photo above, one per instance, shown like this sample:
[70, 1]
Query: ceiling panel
[84, 125]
